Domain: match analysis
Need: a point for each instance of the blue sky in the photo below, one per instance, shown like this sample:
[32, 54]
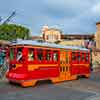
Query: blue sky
[70, 16]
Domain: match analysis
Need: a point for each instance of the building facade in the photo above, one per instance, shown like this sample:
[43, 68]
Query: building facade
[73, 39]
[97, 35]
[51, 34]
[96, 51]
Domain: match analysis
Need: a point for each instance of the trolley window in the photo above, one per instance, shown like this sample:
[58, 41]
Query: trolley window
[40, 54]
[87, 57]
[55, 55]
[12, 53]
[66, 57]
[48, 55]
[73, 56]
[30, 54]
[19, 54]
[83, 56]
[79, 57]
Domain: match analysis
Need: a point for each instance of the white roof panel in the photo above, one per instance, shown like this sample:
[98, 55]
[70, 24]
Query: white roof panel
[35, 43]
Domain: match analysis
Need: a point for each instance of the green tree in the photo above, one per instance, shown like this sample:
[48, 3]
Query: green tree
[13, 31]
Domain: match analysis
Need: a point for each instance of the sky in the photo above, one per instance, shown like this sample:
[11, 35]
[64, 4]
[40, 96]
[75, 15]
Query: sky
[71, 16]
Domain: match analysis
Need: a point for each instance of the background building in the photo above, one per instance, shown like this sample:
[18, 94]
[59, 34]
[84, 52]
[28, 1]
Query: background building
[96, 50]
[77, 39]
[91, 41]
[51, 34]
[97, 35]
[37, 38]
[73, 39]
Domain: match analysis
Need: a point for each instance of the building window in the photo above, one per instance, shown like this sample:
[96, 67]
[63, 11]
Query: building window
[50, 37]
[46, 37]
[56, 37]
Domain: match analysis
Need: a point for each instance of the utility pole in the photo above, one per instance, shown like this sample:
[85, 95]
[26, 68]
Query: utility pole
[10, 17]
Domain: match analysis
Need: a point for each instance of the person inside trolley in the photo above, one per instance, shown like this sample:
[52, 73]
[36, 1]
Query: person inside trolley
[30, 55]
[19, 55]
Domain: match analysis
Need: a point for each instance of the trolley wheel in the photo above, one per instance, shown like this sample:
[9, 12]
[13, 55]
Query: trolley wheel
[87, 75]
[55, 80]
[28, 83]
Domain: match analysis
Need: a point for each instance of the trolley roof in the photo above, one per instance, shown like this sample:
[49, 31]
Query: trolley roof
[45, 44]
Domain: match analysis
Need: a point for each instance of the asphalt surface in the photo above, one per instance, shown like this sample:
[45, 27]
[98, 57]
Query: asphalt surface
[82, 89]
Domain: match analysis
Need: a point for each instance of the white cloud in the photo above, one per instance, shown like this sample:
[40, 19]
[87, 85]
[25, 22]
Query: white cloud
[96, 8]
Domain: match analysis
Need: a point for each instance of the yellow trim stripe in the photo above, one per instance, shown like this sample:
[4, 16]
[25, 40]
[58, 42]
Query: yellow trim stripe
[17, 65]
[81, 64]
[32, 67]
[43, 65]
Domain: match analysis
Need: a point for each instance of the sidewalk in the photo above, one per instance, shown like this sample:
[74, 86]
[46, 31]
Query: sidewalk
[94, 98]
[96, 69]
[3, 79]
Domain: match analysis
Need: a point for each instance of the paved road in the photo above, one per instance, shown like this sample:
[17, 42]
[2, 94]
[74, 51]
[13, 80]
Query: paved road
[83, 89]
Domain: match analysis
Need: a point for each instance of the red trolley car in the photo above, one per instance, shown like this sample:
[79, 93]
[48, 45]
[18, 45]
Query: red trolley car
[31, 61]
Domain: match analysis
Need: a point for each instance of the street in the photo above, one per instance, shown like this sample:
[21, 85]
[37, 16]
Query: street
[81, 89]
